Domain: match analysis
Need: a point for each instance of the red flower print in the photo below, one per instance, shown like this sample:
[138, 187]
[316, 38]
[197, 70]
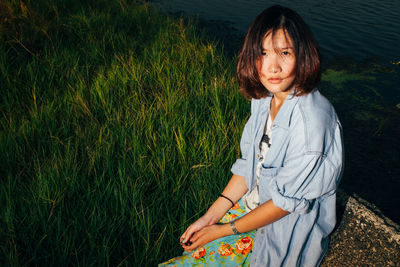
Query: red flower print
[225, 250]
[198, 253]
[236, 206]
[244, 245]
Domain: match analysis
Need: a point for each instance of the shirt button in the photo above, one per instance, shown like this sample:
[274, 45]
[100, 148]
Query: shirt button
[262, 231]
[257, 155]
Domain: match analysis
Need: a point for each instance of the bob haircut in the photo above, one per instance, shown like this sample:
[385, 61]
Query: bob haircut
[308, 69]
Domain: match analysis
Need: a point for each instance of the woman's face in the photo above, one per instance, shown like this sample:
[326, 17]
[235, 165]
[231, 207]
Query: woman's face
[277, 65]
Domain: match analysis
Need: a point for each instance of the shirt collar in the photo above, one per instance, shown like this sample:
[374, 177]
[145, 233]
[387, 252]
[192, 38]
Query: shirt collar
[284, 115]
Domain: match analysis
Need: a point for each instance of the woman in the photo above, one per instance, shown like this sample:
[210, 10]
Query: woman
[292, 158]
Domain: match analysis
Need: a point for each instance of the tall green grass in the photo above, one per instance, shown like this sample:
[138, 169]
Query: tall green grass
[118, 129]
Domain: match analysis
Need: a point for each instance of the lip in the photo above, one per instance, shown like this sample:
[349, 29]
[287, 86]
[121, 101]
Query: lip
[275, 80]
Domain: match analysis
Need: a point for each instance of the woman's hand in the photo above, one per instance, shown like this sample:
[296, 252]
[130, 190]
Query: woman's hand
[206, 235]
[193, 228]
[235, 189]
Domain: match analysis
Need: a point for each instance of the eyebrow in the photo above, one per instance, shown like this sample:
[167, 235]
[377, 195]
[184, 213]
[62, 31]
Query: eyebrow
[282, 48]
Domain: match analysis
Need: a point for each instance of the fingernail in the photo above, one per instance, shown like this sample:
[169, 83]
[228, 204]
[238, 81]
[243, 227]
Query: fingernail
[183, 241]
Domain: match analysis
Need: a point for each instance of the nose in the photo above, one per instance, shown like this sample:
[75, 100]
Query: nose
[274, 65]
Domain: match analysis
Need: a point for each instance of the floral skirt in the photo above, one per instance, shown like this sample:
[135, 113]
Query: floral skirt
[233, 250]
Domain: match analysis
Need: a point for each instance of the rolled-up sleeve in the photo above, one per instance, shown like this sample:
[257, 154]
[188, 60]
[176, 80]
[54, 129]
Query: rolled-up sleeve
[306, 176]
[242, 166]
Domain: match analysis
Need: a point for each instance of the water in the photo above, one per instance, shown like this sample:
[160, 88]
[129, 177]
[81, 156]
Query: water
[360, 29]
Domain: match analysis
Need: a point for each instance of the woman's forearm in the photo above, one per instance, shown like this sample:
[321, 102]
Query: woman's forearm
[264, 214]
[234, 190]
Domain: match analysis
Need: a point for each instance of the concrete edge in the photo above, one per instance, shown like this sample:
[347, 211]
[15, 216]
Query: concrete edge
[370, 213]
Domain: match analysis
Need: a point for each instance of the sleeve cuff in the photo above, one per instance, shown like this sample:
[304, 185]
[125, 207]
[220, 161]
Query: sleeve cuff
[239, 167]
[290, 204]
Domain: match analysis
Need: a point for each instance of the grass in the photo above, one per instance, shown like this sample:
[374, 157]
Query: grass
[118, 128]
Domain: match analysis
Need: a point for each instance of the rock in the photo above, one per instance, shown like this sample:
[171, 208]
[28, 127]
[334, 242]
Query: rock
[363, 237]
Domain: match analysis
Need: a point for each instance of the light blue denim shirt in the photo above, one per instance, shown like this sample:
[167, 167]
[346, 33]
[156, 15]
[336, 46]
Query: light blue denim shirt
[300, 174]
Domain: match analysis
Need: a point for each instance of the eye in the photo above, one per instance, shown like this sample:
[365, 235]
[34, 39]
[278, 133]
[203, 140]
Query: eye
[263, 53]
[286, 53]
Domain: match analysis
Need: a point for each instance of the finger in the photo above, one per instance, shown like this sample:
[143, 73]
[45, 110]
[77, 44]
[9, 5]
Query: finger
[199, 234]
[190, 248]
[198, 243]
[195, 236]
[197, 240]
[186, 246]
[192, 242]
[184, 235]
[187, 235]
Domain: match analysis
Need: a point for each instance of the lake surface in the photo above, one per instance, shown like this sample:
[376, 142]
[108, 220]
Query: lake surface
[360, 29]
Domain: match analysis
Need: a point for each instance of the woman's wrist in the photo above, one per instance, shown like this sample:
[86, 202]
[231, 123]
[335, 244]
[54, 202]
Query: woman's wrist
[210, 218]
[226, 230]
[217, 211]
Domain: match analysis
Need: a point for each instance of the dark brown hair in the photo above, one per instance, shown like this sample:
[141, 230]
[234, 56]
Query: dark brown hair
[308, 71]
